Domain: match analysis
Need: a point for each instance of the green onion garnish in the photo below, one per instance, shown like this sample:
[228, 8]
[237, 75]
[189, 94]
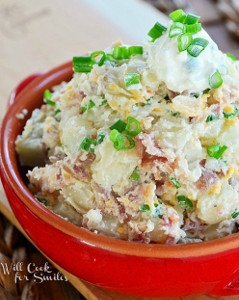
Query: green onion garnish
[144, 208]
[120, 52]
[48, 97]
[212, 118]
[82, 64]
[135, 175]
[197, 46]
[176, 29]
[132, 126]
[194, 28]
[148, 102]
[191, 19]
[88, 106]
[43, 201]
[131, 79]
[206, 91]
[175, 182]
[135, 50]
[103, 102]
[178, 16]
[215, 80]
[57, 111]
[119, 125]
[96, 54]
[235, 213]
[88, 145]
[156, 31]
[175, 114]
[184, 41]
[232, 57]
[216, 151]
[121, 141]
[229, 115]
[100, 137]
[184, 202]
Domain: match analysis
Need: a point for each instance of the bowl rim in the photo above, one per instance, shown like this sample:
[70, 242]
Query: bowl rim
[9, 170]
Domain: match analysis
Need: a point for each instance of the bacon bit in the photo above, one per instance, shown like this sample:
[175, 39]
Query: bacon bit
[170, 240]
[142, 238]
[172, 94]
[85, 158]
[206, 180]
[159, 187]
[82, 94]
[148, 150]
[103, 197]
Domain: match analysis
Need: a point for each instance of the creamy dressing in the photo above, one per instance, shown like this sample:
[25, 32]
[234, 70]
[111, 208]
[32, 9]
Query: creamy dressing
[179, 70]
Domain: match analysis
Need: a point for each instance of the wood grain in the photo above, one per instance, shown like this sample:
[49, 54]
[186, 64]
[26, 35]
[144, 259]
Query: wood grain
[37, 35]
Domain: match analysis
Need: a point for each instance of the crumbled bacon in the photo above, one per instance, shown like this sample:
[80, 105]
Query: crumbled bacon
[207, 179]
[82, 94]
[85, 158]
[148, 150]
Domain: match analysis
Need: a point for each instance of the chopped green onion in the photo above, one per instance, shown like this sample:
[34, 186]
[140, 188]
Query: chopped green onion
[197, 46]
[205, 91]
[215, 80]
[232, 57]
[166, 98]
[176, 29]
[194, 28]
[114, 134]
[148, 102]
[184, 41]
[43, 201]
[100, 137]
[82, 64]
[235, 214]
[129, 143]
[119, 125]
[57, 111]
[88, 106]
[145, 208]
[135, 175]
[191, 19]
[131, 79]
[101, 60]
[212, 118]
[132, 126]
[48, 97]
[88, 145]
[184, 202]
[120, 52]
[229, 115]
[121, 141]
[175, 182]
[216, 150]
[103, 102]
[135, 50]
[110, 58]
[178, 16]
[156, 31]
[176, 114]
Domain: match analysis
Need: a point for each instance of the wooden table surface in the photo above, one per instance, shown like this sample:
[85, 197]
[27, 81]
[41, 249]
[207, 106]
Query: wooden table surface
[38, 35]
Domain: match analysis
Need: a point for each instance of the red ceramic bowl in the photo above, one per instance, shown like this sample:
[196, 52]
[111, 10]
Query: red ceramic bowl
[126, 267]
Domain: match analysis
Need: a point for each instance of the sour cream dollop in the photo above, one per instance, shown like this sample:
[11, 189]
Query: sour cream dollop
[179, 70]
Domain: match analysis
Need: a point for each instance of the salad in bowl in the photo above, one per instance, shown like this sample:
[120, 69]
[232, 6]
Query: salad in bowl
[142, 143]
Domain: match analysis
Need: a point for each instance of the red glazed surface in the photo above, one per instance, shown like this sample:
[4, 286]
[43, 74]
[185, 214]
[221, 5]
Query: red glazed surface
[126, 267]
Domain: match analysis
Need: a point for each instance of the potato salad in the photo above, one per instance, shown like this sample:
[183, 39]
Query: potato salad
[142, 144]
